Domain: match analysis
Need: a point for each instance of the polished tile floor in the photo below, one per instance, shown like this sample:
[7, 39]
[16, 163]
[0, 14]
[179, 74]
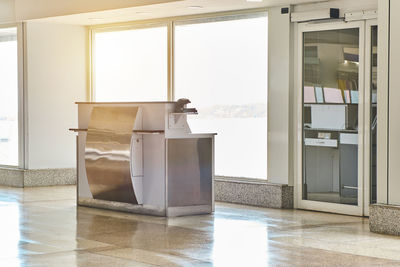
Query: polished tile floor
[43, 227]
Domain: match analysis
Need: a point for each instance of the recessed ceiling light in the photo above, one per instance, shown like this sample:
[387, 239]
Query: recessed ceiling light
[142, 12]
[96, 19]
[254, 0]
[195, 7]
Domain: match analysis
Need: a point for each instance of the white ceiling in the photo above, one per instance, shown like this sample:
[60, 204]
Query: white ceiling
[172, 9]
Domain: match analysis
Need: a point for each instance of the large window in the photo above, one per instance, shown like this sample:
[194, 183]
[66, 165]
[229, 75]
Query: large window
[131, 65]
[221, 66]
[8, 97]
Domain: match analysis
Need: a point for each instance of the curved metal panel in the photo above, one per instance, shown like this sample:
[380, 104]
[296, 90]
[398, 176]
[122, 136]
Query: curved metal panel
[107, 153]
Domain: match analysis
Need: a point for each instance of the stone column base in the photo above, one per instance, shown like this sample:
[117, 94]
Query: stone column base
[253, 192]
[384, 219]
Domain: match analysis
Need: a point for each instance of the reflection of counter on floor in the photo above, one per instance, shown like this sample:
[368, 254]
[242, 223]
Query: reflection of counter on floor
[143, 158]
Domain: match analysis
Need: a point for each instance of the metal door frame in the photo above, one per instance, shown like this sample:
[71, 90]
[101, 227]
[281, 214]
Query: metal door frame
[326, 206]
[367, 126]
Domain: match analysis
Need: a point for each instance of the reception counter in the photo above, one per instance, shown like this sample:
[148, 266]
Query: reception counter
[142, 157]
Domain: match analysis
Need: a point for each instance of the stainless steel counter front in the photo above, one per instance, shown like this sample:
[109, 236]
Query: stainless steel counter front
[136, 157]
[107, 153]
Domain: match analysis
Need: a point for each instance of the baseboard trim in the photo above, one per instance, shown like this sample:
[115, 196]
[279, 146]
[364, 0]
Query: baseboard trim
[12, 177]
[37, 177]
[253, 192]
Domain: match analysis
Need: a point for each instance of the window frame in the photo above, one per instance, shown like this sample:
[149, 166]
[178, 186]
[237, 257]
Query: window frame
[21, 50]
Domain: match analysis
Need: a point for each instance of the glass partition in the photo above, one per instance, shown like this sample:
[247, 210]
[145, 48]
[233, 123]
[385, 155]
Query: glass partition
[8, 97]
[330, 115]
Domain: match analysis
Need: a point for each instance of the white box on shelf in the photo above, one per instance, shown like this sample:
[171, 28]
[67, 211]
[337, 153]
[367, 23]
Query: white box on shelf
[328, 117]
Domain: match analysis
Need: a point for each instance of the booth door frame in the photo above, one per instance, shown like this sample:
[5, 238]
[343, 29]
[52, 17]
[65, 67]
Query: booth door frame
[364, 138]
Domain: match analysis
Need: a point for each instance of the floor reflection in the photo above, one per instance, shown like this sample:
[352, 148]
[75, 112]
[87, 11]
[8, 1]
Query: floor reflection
[10, 235]
[240, 243]
[43, 227]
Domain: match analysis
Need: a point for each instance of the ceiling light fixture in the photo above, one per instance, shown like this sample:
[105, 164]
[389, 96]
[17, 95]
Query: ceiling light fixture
[142, 12]
[195, 7]
[254, 0]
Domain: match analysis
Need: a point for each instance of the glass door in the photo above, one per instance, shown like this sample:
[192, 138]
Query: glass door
[332, 104]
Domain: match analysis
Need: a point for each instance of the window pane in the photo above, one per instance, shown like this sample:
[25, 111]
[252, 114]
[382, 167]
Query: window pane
[8, 97]
[131, 65]
[330, 123]
[222, 68]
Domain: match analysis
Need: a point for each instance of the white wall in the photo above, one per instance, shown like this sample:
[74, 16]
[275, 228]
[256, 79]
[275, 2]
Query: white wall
[388, 99]
[55, 79]
[383, 99]
[7, 11]
[393, 105]
[279, 82]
